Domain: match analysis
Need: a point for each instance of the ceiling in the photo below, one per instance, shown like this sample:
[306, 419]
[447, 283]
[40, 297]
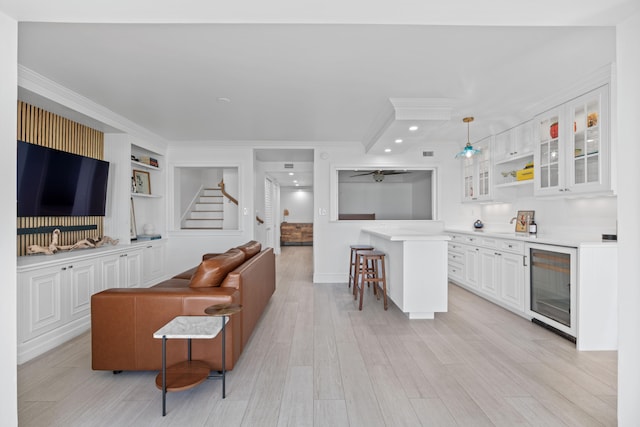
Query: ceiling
[218, 73]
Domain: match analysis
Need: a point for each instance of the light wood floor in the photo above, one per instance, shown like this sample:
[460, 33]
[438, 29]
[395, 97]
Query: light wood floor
[314, 359]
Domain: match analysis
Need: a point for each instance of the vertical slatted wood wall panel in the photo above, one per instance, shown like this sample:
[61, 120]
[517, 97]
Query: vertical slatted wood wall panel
[41, 127]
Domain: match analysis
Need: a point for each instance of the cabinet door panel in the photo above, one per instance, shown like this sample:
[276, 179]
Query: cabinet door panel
[133, 270]
[472, 267]
[512, 280]
[488, 272]
[110, 273]
[82, 283]
[42, 301]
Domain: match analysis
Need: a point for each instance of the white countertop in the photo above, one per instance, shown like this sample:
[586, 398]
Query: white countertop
[561, 239]
[406, 233]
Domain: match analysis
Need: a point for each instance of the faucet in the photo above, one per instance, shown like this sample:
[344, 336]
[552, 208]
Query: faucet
[513, 219]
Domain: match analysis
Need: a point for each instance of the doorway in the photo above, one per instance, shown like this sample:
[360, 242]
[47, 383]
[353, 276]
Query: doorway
[284, 195]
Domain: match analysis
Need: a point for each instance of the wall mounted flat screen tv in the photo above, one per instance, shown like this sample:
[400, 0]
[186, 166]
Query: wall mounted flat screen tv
[56, 183]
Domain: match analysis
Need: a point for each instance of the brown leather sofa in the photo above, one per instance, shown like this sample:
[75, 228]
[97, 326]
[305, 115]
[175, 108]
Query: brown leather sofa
[123, 320]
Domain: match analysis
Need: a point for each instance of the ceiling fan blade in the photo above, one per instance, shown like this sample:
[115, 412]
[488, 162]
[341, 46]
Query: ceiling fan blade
[362, 174]
[394, 172]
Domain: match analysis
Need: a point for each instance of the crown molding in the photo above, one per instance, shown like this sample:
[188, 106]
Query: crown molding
[58, 94]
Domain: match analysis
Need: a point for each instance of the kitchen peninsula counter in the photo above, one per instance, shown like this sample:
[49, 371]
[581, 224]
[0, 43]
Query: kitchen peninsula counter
[416, 263]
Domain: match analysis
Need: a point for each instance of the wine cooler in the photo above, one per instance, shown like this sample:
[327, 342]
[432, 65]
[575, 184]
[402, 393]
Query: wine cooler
[551, 287]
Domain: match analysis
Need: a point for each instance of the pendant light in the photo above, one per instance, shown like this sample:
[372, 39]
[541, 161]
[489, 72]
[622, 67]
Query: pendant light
[468, 150]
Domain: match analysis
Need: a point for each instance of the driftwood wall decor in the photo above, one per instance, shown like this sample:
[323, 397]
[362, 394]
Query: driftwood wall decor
[41, 127]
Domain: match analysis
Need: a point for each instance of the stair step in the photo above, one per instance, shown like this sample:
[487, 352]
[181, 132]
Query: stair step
[202, 223]
[208, 206]
[206, 214]
[210, 199]
[212, 192]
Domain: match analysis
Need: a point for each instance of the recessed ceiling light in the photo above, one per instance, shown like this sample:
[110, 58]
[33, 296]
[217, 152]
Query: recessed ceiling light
[398, 141]
[297, 185]
[413, 128]
[295, 181]
[224, 100]
[290, 173]
[387, 150]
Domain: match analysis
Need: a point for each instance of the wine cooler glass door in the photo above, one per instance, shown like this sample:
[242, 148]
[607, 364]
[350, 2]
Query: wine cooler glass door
[552, 286]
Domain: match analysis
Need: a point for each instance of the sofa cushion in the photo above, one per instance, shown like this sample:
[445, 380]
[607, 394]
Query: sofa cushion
[250, 248]
[211, 272]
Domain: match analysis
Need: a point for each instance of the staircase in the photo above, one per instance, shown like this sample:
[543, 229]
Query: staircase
[207, 212]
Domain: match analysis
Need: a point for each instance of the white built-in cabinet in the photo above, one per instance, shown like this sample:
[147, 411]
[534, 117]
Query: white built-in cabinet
[572, 150]
[129, 209]
[491, 267]
[54, 292]
[153, 262]
[569, 146]
[476, 173]
[513, 150]
[122, 270]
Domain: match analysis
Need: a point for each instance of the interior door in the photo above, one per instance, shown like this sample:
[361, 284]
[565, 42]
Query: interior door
[268, 213]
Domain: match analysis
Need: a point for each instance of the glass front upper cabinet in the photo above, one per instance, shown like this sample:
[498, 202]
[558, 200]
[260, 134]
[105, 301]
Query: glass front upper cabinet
[572, 153]
[589, 157]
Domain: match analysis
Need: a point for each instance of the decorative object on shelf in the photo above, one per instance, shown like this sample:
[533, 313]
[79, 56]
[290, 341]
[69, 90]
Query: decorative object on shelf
[526, 173]
[523, 219]
[142, 182]
[553, 130]
[153, 162]
[592, 119]
[468, 149]
[132, 223]
[285, 214]
[478, 224]
[80, 244]
[533, 228]
[149, 229]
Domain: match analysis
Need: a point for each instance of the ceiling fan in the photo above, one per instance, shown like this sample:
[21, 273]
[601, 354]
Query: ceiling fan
[378, 175]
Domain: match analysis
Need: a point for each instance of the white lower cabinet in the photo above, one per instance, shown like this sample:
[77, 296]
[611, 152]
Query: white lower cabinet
[122, 270]
[153, 262]
[512, 271]
[493, 268]
[54, 293]
[472, 266]
[489, 271]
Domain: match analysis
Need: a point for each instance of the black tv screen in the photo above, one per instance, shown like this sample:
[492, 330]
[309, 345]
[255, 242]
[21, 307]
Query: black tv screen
[56, 183]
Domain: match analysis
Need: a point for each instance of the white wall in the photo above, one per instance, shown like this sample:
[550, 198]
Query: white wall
[332, 238]
[628, 108]
[421, 199]
[388, 200]
[185, 247]
[8, 299]
[299, 202]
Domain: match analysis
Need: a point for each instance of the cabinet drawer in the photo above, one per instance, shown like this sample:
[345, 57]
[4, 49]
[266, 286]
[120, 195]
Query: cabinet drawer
[455, 247]
[473, 240]
[455, 272]
[455, 257]
[489, 242]
[457, 238]
[512, 246]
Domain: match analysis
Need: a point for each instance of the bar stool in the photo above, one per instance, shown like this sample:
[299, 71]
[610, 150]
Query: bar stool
[353, 259]
[372, 270]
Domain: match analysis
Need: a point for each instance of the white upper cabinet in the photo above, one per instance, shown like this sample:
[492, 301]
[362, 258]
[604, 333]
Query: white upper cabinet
[513, 151]
[476, 173]
[572, 150]
[514, 143]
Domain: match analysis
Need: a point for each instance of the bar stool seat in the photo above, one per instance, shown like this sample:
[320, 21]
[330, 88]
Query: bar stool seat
[371, 269]
[353, 259]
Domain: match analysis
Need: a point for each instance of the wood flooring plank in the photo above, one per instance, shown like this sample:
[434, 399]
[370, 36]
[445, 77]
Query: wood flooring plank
[297, 401]
[330, 413]
[433, 413]
[362, 406]
[394, 404]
